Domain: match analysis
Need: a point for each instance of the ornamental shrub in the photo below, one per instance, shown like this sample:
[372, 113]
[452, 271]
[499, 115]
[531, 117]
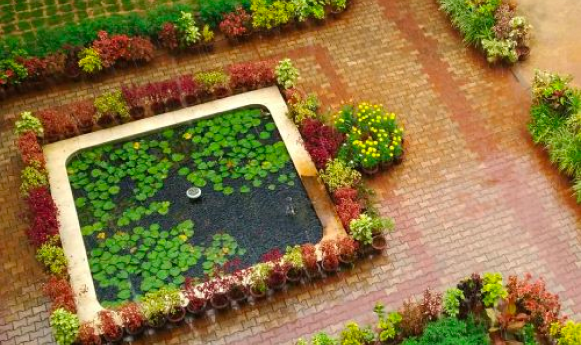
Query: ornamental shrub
[43, 210]
[28, 122]
[286, 73]
[387, 324]
[57, 124]
[321, 141]
[189, 34]
[568, 334]
[52, 256]
[156, 305]
[113, 105]
[251, 75]
[451, 331]
[33, 176]
[323, 339]
[12, 72]
[30, 149]
[268, 15]
[213, 81]
[213, 12]
[90, 61]
[60, 293]
[236, 24]
[363, 228]
[352, 334]
[302, 108]
[452, 300]
[337, 175]
[65, 326]
[492, 289]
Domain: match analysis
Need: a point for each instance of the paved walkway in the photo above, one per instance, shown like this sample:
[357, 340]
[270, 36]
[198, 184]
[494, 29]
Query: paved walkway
[474, 193]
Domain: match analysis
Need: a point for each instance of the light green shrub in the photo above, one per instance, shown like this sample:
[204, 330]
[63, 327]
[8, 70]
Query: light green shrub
[338, 174]
[65, 326]
[90, 61]
[28, 122]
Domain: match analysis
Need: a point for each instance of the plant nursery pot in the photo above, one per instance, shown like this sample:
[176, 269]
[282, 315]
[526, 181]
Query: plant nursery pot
[294, 275]
[177, 316]
[135, 331]
[173, 104]
[238, 295]
[336, 13]
[137, 113]
[114, 339]
[347, 259]
[85, 129]
[313, 273]
[365, 249]
[332, 269]
[106, 121]
[379, 242]
[220, 301]
[197, 308]
[301, 25]
[398, 160]
[256, 293]
[158, 108]
[370, 171]
[191, 99]
[385, 165]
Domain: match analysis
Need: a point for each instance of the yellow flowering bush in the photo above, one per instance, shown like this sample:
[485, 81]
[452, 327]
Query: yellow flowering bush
[372, 135]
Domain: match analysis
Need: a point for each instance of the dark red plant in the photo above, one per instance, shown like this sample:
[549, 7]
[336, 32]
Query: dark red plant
[431, 305]
[84, 114]
[136, 97]
[321, 141]
[60, 293]
[309, 255]
[168, 36]
[109, 326]
[277, 276]
[330, 254]
[44, 223]
[30, 149]
[472, 290]
[348, 205]
[71, 62]
[251, 75]
[197, 294]
[347, 246]
[55, 64]
[272, 255]
[36, 67]
[543, 306]
[131, 316]
[190, 88]
[236, 24]
[57, 124]
[162, 95]
[112, 48]
[140, 49]
[88, 335]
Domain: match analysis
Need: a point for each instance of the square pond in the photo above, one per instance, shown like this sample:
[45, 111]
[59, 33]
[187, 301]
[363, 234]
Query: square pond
[142, 232]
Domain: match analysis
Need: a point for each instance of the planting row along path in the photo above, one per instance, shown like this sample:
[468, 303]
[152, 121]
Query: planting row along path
[473, 194]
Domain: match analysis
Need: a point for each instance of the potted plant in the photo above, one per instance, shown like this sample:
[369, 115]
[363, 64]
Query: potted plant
[88, 335]
[338, 7]
[111, 107]
[236, 25]
[197, 297]
[190, 89]
[330, 261]
[28, 122]
[176, 312]
[347, 248]
[258, 275]
[112, 332]
[218, 288]
[238, 291]
[215, 84]
[65, 326]
[310, 260]
[370, 230]
[132, 318]
[135, 98]
[83, 113]
[294, 258]
[156, 98]
[157, 304]
[276, 279]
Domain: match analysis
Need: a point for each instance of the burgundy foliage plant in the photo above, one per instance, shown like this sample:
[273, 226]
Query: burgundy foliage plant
[44, 223]
[60, 293]
[321, 141]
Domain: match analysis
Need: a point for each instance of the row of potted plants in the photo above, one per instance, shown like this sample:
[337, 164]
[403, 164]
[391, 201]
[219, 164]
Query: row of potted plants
[479, 310]
[493, 26]
[555, 118]
[170, 304]
[181, 32]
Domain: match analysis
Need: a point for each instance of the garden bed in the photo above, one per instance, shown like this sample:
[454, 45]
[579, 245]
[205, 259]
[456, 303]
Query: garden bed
[141, 230]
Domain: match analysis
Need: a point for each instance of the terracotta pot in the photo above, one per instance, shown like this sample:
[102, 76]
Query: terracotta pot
[197, 308]
[302, 25]
[385, 165]
[379, 242]
[191, 99]
[329, 269]
[313, 273]
[347, 259]
[220, 301]
[278, 282]
[257, 294]
[137, 113]
[294, 275]
[365, 249]
[114, 339]
[85, 129]
[177, 316]
[233, 40]
[158, 108]
[173, 104]
[106, 120]
[158, 323]
[336, 13]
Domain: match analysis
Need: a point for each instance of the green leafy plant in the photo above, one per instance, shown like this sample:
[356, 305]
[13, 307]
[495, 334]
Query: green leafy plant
[212, 12]
[65, 326]
[207, 34]
[112, 104]
[451, 331]
[213, 80]
[28, 122]
[33, 176]
[492, 289]
[258, 276]
[90, 61]
[304, 108]
[365, 227]
[338, 5]
[189, 32]
[338, 174]
[294, 257]
[267, 15]
[387, 324]
[498, 50]
[323, 339]
[286, 73]
[353, 334]
[52, 256]
[155, 305]
[452, 300]
[567, 334]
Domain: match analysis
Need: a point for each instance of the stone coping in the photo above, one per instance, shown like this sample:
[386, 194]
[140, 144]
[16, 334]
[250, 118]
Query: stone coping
[58, 154]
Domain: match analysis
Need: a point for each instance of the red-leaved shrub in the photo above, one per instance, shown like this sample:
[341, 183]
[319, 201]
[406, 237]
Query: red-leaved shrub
[168, 36]
[36, 67]
[136, 98]
[321, 141]
[44, 223]
[60, 293]
[190, 88]
[57, 124]
[84, 113]
[30, 149]
[164, 95]
[235, 24]
[140, 49]
[111, 48]
[348, 205]
[251, 75]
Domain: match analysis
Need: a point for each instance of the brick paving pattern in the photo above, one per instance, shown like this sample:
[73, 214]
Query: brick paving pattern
[473, 194]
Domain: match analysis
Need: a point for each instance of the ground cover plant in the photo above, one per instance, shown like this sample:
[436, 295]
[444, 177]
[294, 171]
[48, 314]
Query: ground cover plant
[556, 123]
[142, 232]
[491, 25]
[479, 310]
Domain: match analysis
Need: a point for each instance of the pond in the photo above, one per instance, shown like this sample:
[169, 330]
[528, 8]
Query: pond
[140, 229]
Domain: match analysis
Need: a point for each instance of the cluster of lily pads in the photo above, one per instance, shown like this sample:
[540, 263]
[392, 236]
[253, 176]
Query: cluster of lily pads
[129, 251]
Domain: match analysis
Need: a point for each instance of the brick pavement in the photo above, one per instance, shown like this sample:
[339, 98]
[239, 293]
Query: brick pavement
[473, 194]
